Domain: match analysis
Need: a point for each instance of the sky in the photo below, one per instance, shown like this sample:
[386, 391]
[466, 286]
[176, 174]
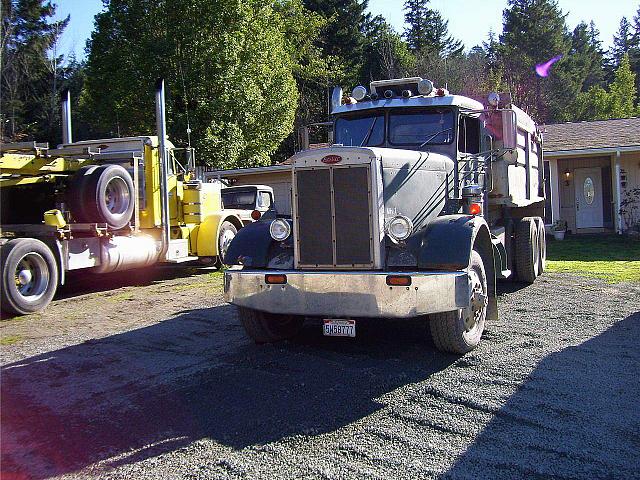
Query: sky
[469, 20]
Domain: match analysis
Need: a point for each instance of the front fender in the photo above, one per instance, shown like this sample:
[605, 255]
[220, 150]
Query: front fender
[209, 232]
[447, 241]
[254, 247]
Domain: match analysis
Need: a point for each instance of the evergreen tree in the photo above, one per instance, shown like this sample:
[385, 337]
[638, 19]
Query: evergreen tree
[618, 102]
[226, 64]
[427, 31]
[31, 70]
[622, 41]
[343, 35]
[386, 54]
[534, 31]
[586, 55]
[634, 51]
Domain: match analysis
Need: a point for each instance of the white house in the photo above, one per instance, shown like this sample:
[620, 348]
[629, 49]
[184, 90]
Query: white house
[589, 167]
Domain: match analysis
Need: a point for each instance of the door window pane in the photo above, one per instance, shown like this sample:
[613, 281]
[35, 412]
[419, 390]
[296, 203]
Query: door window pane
[589, 190]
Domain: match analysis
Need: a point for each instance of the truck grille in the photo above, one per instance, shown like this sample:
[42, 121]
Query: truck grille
[333, 217]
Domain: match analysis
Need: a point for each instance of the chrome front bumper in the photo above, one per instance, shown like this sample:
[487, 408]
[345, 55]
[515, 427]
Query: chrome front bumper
[348, 294]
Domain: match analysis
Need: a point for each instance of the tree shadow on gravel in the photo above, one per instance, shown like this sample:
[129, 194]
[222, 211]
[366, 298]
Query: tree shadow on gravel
[575, 416]
[149, 391]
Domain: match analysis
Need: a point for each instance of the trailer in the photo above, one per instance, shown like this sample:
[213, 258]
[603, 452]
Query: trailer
[103, 206]
[422, 203]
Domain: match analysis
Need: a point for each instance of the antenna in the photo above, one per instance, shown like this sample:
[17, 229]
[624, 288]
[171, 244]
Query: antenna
[186, 102]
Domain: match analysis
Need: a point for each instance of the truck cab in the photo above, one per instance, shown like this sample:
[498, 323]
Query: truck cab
[424, 200]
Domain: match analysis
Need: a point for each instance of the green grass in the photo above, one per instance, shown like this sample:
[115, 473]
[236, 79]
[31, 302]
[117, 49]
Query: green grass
[609, 257]
[10, 339]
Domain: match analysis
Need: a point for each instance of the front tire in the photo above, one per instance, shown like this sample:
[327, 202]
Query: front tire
[228, 232]
[29, 276]
[459, 331]
[265, 327]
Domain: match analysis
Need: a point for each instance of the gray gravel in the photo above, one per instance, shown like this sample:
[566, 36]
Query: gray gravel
[174, 389]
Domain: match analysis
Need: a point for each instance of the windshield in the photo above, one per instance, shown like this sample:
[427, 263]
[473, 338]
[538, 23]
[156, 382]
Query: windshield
[241, 199]
[360, 131]
[421, 128]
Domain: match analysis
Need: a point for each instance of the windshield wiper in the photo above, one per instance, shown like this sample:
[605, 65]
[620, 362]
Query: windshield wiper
[368, 135]
[426, 142]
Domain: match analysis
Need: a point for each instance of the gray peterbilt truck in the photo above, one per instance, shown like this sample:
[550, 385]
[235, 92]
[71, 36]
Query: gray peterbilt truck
[421, 203]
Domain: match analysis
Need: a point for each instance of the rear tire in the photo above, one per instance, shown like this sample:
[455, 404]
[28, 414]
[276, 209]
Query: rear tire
[542, 244]
[527, 250]
[459, 331]
[29, 276]
[265, 327]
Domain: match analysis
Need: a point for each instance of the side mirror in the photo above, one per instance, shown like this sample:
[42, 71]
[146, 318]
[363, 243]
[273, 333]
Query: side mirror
[509, 129]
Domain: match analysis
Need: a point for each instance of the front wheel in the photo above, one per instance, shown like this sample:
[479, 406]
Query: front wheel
[29, 276]
[228, 232]
[265, 327]
[459, 331]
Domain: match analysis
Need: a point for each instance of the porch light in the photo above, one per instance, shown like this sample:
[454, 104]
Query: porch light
[567, 175]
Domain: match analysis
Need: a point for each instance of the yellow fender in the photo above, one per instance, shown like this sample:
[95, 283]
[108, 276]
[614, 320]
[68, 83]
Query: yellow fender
[209, 232]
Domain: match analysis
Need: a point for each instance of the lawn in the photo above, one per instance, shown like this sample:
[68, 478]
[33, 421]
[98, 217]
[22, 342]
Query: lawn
[610, 257]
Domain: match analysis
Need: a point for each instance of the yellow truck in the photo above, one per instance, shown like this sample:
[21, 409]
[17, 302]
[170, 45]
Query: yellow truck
[102, 205]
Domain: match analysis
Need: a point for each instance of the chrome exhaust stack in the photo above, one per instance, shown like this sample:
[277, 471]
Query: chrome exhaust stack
[66, 116]
[161, 126]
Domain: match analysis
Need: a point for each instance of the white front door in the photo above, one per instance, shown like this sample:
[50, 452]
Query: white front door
[588, 183]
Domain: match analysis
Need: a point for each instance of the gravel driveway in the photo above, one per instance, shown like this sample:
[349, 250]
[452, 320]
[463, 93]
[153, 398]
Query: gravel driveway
[159, 381]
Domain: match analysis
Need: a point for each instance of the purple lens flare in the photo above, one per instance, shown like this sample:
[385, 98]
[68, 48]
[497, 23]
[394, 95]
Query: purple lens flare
[543, 69]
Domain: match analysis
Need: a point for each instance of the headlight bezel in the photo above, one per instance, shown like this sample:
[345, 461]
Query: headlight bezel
[399, 220]
[286, 227]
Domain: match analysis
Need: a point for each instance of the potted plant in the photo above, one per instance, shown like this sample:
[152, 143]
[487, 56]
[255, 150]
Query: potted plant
[559, 228]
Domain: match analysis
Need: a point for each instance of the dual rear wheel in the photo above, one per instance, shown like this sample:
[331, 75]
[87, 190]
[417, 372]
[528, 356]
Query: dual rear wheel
[28, 275]
[530, 249]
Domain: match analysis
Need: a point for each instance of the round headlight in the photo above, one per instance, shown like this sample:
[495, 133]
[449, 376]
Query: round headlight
[359, 93]
[399, 228]
[280, 230]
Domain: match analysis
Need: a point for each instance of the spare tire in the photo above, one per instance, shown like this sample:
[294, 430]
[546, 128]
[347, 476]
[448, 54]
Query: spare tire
[76, 197]
[104, 194]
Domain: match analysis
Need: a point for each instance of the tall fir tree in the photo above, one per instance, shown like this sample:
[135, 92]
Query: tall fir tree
[534, 31]
[586, 55]
[622, 41]
[343, 35]
[634, 51]
[32, 73]
[427, 32]
[386, 54]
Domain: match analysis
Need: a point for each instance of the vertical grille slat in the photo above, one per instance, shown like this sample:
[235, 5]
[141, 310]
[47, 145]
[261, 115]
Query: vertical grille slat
[334, 218]
[314, 217]
[352, 222]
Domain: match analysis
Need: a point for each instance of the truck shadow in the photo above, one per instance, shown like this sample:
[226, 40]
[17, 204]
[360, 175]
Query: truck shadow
[575, 416]
[139, 394]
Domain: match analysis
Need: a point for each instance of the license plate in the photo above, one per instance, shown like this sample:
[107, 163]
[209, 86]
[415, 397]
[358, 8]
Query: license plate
[339, 328]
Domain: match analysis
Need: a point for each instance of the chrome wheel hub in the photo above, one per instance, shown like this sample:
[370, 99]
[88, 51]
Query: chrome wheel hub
[32, 276]
[478, 302]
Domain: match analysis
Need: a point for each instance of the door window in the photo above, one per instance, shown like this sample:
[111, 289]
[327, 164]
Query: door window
[589, 190]
[264, 200]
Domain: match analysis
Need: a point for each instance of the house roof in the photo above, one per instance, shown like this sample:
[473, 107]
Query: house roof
[600, 134]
